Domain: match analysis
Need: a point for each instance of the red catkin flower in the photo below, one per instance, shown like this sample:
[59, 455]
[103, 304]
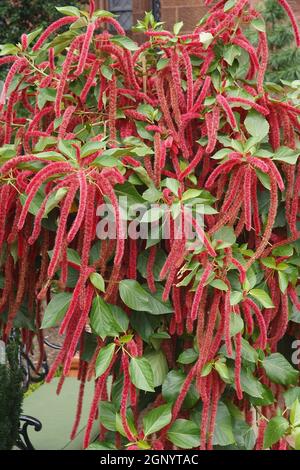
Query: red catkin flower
[223, 102]
[203, 94]
[294, 297]
[65, 121]
[85, 49]
[238, 365]
[83, 190]
[261, 434]
[247, 198]
[260, 321]
[15, 68]
[150, 266]
[90, 81]
[238, 100]
[52, 28]
[198, 294]
[37, 181]
[61, 231]
[227, 318]
[124, 398]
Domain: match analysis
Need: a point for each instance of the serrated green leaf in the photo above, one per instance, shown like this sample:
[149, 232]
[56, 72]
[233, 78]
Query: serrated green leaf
[141, 374]
[157, 419]
[185, 434]
[276, 428]
[263, 297]
[279, 370]
[56, 309]
[97, 281]
[104, 359]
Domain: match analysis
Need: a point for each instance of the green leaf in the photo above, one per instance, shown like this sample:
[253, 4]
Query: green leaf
[264, 179]
[172, 184]
[188, 356]
[257, 125]
[219, 284]
[223, 435]
[104, 319]
[97, 281]
[130, 420]
[191, 194]
[276, 428]
[236, 324]
[103, 13]
[206, 38]
[152, 215]
[45, 95]
[225, 236]
[235, 297]
[229, 4]
[286, 250]
[287, 155]
[283, 281]
[296, 436]
[141, 374]
[263, 297]
[136, 297]
[177, 27]
[90, 148]
[295, 413]
[222, 370]
[68, 11]
[101, 446]
[259, 24]
[35, 203]
[266, 399]
[231, 53]
[8, 49]
[250, 384]
[207, 368]
[161, 64]
[185, 434]
[65, 147]
[104, 359]
[172, 386]
[125, 42]
[56, 309]
[279, 370]
[248, 352]
[44, 142]
[107, 72]
[269, 262]
[53, 156]
[157, 419]
[159, 366]
[107, 415]
[31, 36]
[291, 395]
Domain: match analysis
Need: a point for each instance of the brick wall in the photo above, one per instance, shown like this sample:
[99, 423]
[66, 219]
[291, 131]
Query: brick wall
[188, 11]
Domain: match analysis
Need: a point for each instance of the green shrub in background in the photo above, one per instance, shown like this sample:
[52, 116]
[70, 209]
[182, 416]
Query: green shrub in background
[284, 60]
[19, 16]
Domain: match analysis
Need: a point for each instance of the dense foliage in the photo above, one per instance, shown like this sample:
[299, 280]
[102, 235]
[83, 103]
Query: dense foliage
[184, 338]
[284, 61]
